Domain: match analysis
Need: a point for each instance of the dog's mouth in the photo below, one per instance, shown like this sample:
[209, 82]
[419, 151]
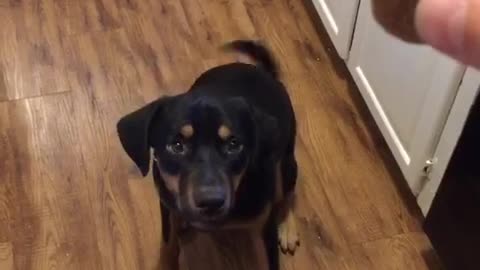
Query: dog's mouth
[212, 215]
[206, 227]
[208, 215]
[206, 200]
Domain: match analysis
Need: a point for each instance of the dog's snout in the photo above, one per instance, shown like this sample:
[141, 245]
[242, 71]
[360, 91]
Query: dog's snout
[210, 199]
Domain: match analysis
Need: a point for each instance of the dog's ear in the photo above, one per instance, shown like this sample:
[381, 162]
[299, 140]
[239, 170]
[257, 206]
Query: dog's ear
[133, 130]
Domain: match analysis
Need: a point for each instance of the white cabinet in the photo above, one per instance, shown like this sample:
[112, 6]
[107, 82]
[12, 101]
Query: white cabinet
[408, 89]
[414, 93]
[338, 16]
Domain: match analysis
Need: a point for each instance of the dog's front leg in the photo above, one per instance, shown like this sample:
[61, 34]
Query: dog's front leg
[288, 237]
[170, 250]
[270, 238]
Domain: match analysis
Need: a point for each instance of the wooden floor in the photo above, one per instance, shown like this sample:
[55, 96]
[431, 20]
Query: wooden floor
[71, 199]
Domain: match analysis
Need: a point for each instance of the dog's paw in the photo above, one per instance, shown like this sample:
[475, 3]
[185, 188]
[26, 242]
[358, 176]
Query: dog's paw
[288, 237]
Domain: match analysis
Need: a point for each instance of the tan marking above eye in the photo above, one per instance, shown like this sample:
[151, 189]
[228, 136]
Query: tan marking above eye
[224, 132]
[187, 131]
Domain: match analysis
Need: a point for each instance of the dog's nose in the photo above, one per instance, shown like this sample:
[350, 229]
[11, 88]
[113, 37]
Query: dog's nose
[209, 199]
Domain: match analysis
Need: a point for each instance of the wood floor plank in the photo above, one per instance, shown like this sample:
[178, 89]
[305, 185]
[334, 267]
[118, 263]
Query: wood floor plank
[231, 21]
[6, 256]
[408, 251]
[273, 21]
[31, 64]
[41, 195]
[322, 242]
[77, 17]
[338, 159]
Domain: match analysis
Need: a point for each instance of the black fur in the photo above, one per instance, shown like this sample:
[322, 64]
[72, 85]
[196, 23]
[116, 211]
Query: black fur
[270, 239]
[254, 104]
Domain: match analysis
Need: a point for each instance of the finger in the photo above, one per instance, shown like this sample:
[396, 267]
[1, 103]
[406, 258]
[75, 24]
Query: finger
[451, 26]
[397, 18]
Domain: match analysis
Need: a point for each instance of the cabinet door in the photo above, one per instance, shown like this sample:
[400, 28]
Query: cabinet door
[409, 90]
[338, 17]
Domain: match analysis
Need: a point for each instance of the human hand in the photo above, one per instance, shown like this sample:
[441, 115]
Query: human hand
[451, 26]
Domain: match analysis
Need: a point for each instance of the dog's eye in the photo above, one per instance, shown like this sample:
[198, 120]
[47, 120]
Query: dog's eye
[233, 146]
[177, 147]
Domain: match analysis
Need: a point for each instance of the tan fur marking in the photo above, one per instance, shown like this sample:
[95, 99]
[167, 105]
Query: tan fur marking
[288, 237]
[187, 131]
[171, 182]
[224, 132]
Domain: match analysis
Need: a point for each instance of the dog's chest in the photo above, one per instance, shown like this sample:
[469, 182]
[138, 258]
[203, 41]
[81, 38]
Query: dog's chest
[227, 249]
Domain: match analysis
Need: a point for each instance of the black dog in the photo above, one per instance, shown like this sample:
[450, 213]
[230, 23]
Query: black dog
[223, 151]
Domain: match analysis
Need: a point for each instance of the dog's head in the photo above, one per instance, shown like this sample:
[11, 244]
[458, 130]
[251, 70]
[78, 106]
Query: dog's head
[202, 149]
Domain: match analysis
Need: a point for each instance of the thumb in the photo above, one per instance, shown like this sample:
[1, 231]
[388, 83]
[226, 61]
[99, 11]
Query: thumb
[451, 26]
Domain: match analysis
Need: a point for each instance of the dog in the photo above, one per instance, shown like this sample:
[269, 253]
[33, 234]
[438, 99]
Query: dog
[223, 152]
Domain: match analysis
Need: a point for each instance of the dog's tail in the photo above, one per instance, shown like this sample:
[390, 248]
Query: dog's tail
[259, 53]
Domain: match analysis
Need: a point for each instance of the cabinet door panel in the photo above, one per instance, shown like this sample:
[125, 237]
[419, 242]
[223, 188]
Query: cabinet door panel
[408, 88]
